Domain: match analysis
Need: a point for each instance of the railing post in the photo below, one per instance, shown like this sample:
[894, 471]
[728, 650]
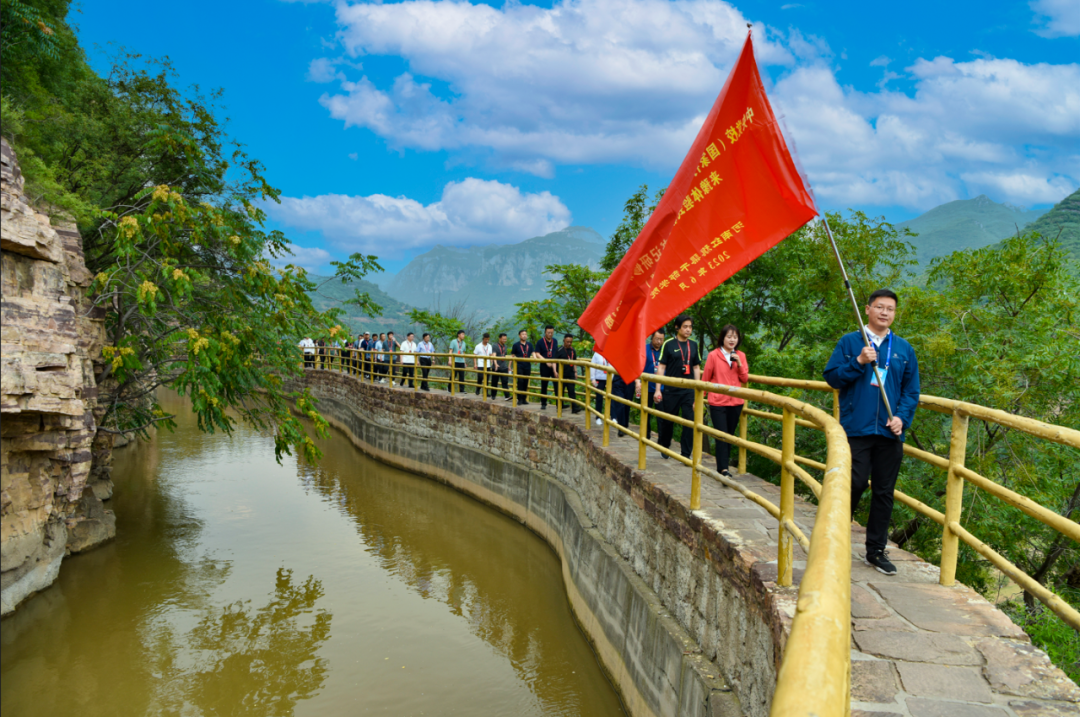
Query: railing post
[742, 449]
[836, 404]
[954, 494]
[786, 543]
[588, 402]
[695, 474]
[607, 410]
[558, 390]
[482, 377]
[644, 427]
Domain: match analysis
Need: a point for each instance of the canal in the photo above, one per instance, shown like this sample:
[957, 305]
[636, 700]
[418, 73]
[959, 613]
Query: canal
[240, 586]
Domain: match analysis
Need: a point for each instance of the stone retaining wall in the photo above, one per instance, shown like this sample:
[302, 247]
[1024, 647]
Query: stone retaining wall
[686, 621]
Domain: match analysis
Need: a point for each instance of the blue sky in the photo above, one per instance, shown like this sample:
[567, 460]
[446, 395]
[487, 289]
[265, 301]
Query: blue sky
[392, 127]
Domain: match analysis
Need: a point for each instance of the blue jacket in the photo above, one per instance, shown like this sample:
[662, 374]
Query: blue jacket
[650, 367]
[862, 412]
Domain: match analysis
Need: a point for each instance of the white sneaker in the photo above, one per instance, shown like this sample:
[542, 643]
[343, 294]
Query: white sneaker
[599, 422]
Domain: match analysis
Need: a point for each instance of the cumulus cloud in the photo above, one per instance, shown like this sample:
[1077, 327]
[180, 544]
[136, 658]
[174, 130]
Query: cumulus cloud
[313, 259]
[629, 82]
[971, 127]
[1057, 18]
[472, 211]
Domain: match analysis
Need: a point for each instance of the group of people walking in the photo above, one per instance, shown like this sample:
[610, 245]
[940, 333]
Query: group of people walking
[876, 375]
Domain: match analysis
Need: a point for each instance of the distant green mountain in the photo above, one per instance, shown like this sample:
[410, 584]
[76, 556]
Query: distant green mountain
[394, 316]
[1062, 222]
[965, 224]
[490, 280]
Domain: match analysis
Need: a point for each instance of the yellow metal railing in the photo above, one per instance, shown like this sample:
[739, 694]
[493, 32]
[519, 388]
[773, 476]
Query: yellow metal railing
[814, 676]
[815, 671]
[957, 473]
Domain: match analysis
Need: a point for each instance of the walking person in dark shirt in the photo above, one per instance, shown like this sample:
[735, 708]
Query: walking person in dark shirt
[502, 368]
[877, 441]
[567, 352]
[522, 349]
[679, 358]
[545, 349]
[652, 360]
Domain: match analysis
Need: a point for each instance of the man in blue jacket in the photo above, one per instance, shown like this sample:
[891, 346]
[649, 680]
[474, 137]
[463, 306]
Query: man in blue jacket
[877, 442]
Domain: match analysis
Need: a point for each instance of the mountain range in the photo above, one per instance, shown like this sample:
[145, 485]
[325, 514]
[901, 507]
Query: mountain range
[965, 224]
[490, 280]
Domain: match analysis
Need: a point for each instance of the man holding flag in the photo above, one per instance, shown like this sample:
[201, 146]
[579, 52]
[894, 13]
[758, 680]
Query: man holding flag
[736, 195]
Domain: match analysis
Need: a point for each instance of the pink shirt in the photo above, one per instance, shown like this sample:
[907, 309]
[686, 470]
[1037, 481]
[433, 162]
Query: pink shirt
[717, 370]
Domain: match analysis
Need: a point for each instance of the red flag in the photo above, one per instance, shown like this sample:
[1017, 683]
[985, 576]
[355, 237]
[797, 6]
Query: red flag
[736, 195]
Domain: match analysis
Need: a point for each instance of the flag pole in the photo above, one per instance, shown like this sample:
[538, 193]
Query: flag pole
[858, 316]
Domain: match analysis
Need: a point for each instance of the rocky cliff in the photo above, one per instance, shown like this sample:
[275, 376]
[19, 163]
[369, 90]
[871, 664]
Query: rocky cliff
[54, 471]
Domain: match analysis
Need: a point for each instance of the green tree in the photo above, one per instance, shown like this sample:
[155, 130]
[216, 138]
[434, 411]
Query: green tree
[570, 289]
[636, 213]
[998, 327]
[171, 211]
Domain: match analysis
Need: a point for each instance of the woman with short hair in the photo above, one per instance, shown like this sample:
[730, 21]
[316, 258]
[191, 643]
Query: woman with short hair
[726, 365]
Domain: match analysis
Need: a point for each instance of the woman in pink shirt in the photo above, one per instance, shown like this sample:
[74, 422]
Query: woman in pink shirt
[726, 365]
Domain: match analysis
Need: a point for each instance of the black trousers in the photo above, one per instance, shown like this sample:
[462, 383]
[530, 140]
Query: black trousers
[598, 402]
[425, 369]
[309, 360]
[875, 460]
[570, 389]
[677, 402]
[486, 379]
[726, 419]
[408, 371]
[546, 374]
[502, 376]
[524, 372]
[459, 376]
[383, 368]
[620, 411]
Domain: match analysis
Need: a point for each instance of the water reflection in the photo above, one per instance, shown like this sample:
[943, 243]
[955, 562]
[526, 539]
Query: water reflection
[245, 661]
[217, 597]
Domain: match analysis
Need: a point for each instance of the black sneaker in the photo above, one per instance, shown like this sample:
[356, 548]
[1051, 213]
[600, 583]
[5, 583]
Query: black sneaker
[880, 561]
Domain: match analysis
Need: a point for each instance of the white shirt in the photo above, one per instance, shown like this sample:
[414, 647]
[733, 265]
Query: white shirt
[874, 338]
[408, 348]
[483, 349]
[308, 345]
[728, 354]
[597, 374]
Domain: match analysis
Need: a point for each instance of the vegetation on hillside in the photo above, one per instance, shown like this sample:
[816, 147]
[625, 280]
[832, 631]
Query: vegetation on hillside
[1062, 224]
[170, 209]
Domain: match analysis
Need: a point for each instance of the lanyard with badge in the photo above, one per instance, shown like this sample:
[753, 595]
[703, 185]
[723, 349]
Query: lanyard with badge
[884, 371]
[685, 357]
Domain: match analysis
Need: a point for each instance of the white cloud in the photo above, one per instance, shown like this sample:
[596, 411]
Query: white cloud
[629, 82]
[322, 69]
[313, 259]
[584, 81]
[1057, 18]
[969, 128]
[472, 211]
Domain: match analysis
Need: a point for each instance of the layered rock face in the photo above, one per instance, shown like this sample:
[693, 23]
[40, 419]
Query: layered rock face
[51, 487]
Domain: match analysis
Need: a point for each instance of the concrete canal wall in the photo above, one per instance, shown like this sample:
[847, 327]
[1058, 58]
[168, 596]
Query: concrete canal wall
[680, 617]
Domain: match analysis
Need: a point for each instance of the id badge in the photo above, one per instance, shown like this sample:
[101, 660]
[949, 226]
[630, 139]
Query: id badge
[873, 377]
[686, 370]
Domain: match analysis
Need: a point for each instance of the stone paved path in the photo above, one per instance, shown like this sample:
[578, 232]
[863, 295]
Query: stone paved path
[918, 648]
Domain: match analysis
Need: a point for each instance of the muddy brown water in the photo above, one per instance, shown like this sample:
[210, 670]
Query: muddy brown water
[237, 586]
